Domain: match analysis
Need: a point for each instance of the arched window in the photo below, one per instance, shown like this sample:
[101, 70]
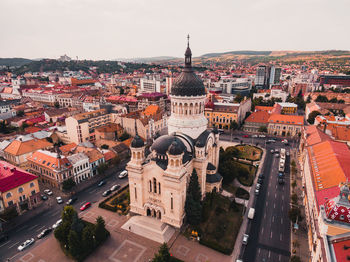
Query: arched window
[158, 188]
[8, 195]
[154, 185]
[150, 186]
[31, 184]
[20, 190]
[135, 193]
[171, 203]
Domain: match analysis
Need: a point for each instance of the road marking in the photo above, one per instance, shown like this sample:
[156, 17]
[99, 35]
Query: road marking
[40, 228]
[269, 253]
[271, 235]
[281, 221]
[258, 251]
[282, 198]
[262, 230]
[14, 244]
[20, 229]
[282, 208]
[264, 215]
[32, 227]
[5, 243]
[273, 219]
[279, 257]
[55, 214]
[276, 186]
[91, 190]
[275, 195]
[268, 193]
[274, 205]
[266, 204]
[280, 237]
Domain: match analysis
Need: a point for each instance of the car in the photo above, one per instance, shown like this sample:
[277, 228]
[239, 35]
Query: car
[107, 192]
[115, 187]
[258, 186]
[85, 206]
[261, 176]
[254, 135]
[277, 155]
[236, 138]
[123, 174]
[44, 233]
[285, 141]
[58, 222]
[271, 140]
[59, 200]
[48, 192]
[260, 181]
[262, 136]
[101, 183]
[280, 180]
[280, 174]
[71, 200]
[267, 142]
[245, 239]
[272, 151]
[256, 191]
[3, 237]
[44, 197]
[25, 244]
[245, 136]
[287, 153]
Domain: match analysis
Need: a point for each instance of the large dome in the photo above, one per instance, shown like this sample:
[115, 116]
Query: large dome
[188, 83]
[162, 144]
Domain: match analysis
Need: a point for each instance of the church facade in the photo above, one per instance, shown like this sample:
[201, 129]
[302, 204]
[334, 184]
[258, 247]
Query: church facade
[158, 177]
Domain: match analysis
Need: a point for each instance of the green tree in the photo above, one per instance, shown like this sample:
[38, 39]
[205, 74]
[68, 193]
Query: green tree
[68, 184]
[74, 243]
[193, 206]
[102, 168]
[68, 214]
[115, 161]
[193, 187]
[100, 230]
[312, 116]
[61, 233]
[20, 113]
[295, 258]
[233, 125]
[163, 254]
[88, 240]
[321, 98]
[308, 100]
[294, 214]
[238, 98]
[77, 224]
[262, 129]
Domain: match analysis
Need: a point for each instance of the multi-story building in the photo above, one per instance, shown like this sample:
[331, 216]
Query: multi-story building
[52, 168]
[256, 121]
[159, 99]
[234, 85]
[262, 76]
[80, 167]
[6, 110]
[42, 96]
[285, 125]
[149, 85]
[288, 108]
[18, 188]
[81, 127]
[275, 76]
[272, 93]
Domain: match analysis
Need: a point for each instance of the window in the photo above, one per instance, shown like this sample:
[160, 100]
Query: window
[32, 184]
[8, 195]
[20, 190]
[150, 186]
[135, 193]
[33, 192]
[158, 188]
[171, 203]
[155, 185]
[10, 203]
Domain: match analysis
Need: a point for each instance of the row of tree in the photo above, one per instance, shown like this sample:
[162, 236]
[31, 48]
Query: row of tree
[79, 238]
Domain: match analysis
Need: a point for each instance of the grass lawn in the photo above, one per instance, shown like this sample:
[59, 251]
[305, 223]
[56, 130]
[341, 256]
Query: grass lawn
[230, 188]
[242, 193]
[221, 223]
[249, 152]
[246, 180]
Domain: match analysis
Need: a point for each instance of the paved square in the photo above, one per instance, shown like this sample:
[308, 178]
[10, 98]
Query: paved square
[201, 258]
[27, 257]
[128, 251]
[88, 214]
[113, 223]
[182, 250]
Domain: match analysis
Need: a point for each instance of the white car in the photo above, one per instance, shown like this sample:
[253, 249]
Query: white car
[59, 200]
[25, 244]
[115, 187]
[48, 192]
[262, 136]
[123, 174]
[59, 222]
[254, 135]
[245, 239]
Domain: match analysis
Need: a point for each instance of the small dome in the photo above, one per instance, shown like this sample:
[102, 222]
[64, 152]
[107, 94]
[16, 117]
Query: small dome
[137, 142]
[175, 148]
[210, 166]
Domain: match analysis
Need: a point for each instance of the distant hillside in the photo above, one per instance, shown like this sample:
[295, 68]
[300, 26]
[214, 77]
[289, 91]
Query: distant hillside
[14, 61]
[147, 59]
[243, 52]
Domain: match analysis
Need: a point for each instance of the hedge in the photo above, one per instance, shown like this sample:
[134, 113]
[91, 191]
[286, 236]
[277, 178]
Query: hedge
[216, 246]
[108, 207]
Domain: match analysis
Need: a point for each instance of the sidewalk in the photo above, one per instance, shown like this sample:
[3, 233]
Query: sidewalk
[299, 238]
[238, 244]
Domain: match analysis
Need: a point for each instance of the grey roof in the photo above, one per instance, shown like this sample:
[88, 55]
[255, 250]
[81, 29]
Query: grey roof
[137, 142]
[213, 178]
[202, 139]
[210, 166]
[176, 148]
[188, 84]
[162, 144]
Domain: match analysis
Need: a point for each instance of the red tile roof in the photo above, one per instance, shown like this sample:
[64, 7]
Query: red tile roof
[341, 253]
[258, 117]
[12, 176]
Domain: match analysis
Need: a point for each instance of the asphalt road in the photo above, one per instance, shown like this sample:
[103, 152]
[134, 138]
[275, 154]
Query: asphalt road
[34, 226]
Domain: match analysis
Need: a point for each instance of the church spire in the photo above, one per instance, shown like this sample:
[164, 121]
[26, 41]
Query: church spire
[188, 54]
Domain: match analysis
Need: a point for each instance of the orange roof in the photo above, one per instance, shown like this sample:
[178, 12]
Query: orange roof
[111, 127]
[18, 148]
[258, 117]
[67, 148]
[286, 119]
[32, 129]
[94, 155]
[109, 155]
[339, 132]
[315, 135]
[127, 142]
[151, 110]
[49, 160]
[330, 162]
[263, 108]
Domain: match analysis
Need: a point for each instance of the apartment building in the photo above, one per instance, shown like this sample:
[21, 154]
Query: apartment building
[80, 167]
[18, 188]
[285, 125]
[42, 96]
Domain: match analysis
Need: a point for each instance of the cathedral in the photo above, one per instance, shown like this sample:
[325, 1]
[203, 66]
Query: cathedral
[158, 178]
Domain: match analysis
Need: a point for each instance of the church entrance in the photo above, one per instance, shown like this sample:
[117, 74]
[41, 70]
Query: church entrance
[148, 212]
[154, 213]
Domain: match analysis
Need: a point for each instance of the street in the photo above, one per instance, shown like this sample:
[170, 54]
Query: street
[34, 226]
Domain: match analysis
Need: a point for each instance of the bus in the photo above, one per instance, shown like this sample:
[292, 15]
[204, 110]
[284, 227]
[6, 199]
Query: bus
[283, 153]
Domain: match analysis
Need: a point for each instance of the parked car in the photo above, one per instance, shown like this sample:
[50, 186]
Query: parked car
[245, 239]
[260, 181]
[59, 200]
[72, 200]
[48, 192]
[272, 151]
[58, 222]
[280, 180]
[245, 136]
[285, 141]
[271, 140]
[44, 197]
[262, 136]
[257, 192]
[258, 186]
[277, 155]
[123, 174]
[236, 138]
[25, 244]
[107, 192]
[3, 237]
[254, 135]
[261, 176]
[287, 153]
[115, 187]
[221, 131]
[85, 206]
[44, 233]
[101, 183]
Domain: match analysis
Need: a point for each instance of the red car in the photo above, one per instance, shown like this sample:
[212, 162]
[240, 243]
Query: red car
[85, 206]
[245, 136]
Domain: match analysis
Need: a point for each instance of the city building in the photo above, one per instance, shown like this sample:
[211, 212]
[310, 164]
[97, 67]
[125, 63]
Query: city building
[275, 76]
[288, 108]
[149, 85]
[285, 125]
[6, 109]
[256, 121]
[158, 179]
[18, 188]
[80, 167]
[234, 85]
[262, 77]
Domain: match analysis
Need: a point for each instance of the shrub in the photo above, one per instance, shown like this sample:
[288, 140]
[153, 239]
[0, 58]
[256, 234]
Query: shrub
[242, 193]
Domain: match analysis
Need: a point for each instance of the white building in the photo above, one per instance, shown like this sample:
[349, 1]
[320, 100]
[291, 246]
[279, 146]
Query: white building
[234, 85]
[80, 167]
[158, 181]
[149, 85]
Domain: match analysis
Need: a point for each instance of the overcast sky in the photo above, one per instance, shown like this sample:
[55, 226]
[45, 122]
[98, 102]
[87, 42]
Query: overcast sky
[109, 29]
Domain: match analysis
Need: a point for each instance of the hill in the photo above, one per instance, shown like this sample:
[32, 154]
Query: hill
[14, 61]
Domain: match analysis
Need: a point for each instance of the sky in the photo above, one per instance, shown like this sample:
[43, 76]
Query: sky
[111, 29]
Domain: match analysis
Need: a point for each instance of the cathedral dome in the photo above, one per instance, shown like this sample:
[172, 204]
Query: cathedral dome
[137, 142]
[175, 148]
[188, 83]
[163, 143]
